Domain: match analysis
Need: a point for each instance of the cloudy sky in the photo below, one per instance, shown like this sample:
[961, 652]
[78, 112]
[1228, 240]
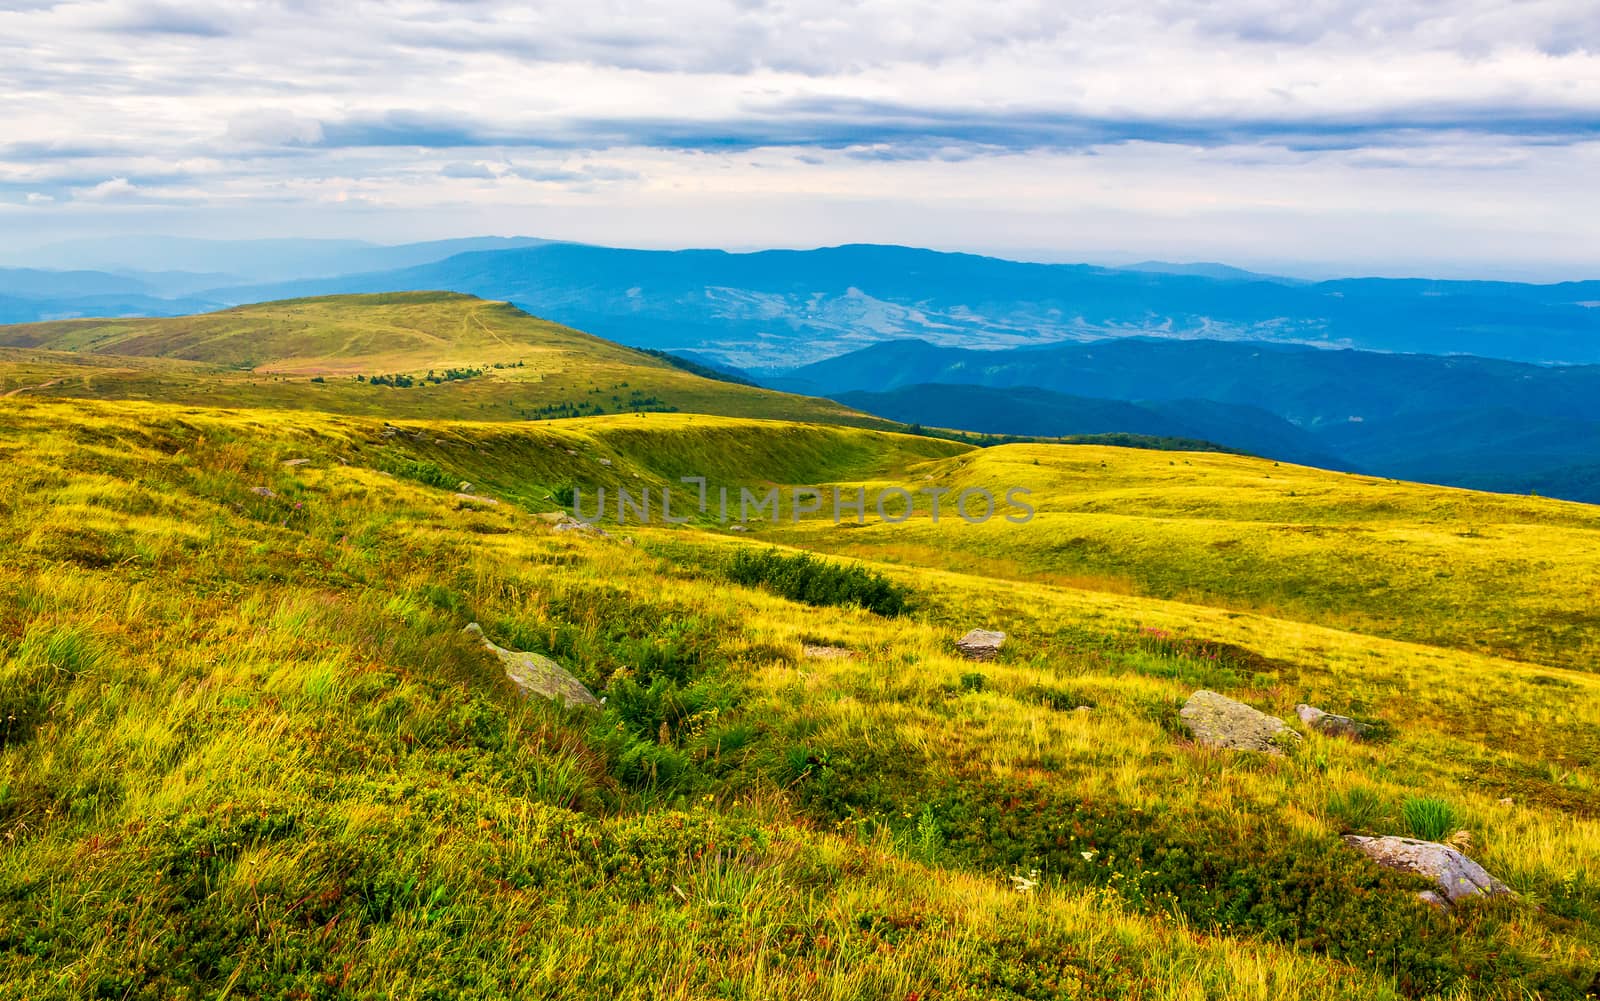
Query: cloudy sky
[1421, 136]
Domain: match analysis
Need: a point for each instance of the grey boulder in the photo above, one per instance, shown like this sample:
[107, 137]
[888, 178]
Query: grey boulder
[536, 674]
[1456, 876]
[980, 644]
[1220, 722]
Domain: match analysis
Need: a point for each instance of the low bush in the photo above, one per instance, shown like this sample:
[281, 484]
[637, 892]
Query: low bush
[803, 577]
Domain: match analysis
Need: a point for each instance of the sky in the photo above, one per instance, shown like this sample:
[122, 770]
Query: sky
[1455, 138]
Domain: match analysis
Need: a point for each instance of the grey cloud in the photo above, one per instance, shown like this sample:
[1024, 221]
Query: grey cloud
[171, 19]
[887, 131]
[467, 171]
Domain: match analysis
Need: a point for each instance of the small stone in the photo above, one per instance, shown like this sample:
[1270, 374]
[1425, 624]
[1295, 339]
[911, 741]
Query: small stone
[476, 501]
[1220, 722]
[605, 462]
[1329, 724]
[295, 462]
[571, 524]
[980, 644]
[738, 528]
[822, 652]
[263, 491]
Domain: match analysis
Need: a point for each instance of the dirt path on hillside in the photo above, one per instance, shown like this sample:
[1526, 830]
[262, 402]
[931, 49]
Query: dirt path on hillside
[24, 389]
[485, 328]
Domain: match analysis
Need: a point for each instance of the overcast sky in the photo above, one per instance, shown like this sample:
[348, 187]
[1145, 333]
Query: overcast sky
[1446, 137]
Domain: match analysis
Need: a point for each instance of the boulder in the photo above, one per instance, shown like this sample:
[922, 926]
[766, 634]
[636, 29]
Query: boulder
[536, 674]
[980, 644]
[1220, 722]
[567, 523]
[1330, 724]
[1456, 876]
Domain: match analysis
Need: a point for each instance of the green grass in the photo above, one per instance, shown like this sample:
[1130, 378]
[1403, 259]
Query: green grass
[1495, 574]
[268, 355]
[1429, 819]
[254, 756]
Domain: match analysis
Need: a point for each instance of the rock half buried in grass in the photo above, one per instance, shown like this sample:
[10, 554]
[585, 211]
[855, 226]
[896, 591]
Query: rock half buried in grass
[980, 644]
[536, 674]
[819, 651]
[1328, 723]
[1456, 876]
[1218, 721]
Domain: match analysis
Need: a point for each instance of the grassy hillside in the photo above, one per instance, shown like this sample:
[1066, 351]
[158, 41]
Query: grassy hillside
[489, 361]
[1513, 576]
[248, 753]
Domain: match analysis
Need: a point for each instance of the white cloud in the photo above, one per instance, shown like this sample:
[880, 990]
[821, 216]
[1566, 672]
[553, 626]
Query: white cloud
[114, 189]
[273, 127]
[416, 103]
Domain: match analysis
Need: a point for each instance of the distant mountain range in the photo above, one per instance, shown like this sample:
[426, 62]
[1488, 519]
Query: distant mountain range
[1486, 384]
[782, 307]
[1028, 411]
[173, 276]
[1460, 421]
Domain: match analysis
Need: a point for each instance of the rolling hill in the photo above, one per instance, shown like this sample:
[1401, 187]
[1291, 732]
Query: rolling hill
[456, 356]
[249, 750]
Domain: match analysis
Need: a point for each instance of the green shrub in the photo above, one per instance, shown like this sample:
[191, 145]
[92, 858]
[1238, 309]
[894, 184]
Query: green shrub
[803, 577]
[427, 473]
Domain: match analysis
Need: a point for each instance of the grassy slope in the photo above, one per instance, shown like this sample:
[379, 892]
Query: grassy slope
[1514, 576]
[265, 356]
[247, 751]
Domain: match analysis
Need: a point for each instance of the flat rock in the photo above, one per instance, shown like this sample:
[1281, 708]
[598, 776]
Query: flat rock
[536, 674]
[474, 499]
[1330, 724]
[567, 523]
[1456, 876]
[980, 644]
[295, 462]
[1220, 722]
[821, 652]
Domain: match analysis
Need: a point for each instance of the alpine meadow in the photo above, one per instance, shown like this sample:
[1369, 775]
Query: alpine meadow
[780, 500]
[251, 748]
